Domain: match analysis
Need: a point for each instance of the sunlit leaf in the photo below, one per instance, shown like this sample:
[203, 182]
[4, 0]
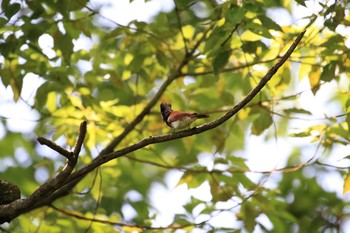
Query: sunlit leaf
[91, 140]
[51, 101]
[221, 22]
[132, 229]
[188, 31]
[314, 79]
[346, 187]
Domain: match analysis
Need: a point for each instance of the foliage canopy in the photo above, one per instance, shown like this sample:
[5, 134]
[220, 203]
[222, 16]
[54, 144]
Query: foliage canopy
[203, 56]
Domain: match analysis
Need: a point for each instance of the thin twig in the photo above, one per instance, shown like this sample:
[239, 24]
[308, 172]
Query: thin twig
[177, 13]
[230, 35]
[114, 223]
[80, 141]
[55, 147]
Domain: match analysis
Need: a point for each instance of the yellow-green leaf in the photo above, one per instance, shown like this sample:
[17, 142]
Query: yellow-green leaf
[221, 22]
[188, 31]
[15, 89]
[314, 79]
[346, 187]
[51, 101]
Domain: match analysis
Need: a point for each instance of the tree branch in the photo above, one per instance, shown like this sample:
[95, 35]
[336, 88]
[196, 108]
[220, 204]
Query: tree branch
[20, 206]
[114, 223]
[81, 137]
[55, 147]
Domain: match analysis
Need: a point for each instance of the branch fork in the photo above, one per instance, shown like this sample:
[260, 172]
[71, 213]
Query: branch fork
[20, 206]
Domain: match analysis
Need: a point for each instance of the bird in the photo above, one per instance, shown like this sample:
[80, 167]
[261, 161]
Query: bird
[178, 119]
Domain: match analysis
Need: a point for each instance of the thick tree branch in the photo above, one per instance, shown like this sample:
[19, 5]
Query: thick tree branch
[17, 207]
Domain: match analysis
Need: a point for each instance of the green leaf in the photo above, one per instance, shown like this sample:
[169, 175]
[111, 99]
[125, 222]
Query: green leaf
[213, 44]
[11, 10]
[182, 4]
[192, 204]
[75, 5]
[259, 30]
[5, 4]
[10, 45]
[16, 85]
[43, 91]
[73, 29]
[261, 123]
[3, 21]
[220, 192]
[301, 134]
[328, 72]
[192, 180]
[181, 220]
[333, 43]
[65, 44]
[221, 60]
[236, 14]
[301, 2]
[346, 187]
[269, 23]
[297, 111]
[238, 162]
[253, 47]
[248, 214]
[244, 180]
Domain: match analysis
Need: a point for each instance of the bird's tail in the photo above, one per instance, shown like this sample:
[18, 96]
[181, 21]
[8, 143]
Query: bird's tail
[200, 115]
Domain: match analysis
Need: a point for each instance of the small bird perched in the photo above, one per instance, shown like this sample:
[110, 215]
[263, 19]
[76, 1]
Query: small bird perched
[178, 119]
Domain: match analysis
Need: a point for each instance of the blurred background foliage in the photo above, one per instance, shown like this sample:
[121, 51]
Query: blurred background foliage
[93, 68]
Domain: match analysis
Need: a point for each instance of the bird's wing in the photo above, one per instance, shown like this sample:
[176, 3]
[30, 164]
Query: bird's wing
[177, 115]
